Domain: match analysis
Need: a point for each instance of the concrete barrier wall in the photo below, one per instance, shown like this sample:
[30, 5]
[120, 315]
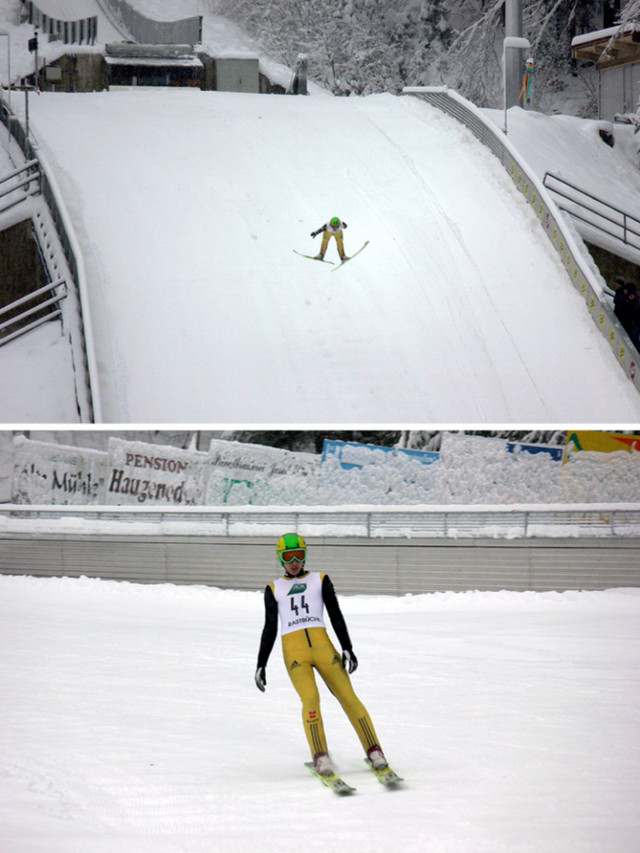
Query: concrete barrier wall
[79, 31]
[357, 565]
[148, 31]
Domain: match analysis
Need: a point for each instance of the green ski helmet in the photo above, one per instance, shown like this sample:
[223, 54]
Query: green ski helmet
[335, 221]
[291, 542]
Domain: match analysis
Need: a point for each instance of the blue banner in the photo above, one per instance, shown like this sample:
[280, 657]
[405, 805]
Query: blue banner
[353, 455]
[556, 453]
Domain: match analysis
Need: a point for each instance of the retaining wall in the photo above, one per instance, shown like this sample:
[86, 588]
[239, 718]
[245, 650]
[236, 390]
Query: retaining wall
[357, 565]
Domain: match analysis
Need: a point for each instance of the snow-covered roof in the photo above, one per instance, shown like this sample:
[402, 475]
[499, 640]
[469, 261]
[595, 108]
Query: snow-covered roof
[609, 47]
[155, 61]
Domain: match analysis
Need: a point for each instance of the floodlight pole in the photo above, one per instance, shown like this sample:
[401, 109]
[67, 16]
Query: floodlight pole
[515, 43]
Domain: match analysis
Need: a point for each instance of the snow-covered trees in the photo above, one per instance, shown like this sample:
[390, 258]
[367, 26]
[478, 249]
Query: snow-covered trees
[358, 46]
[363, 46]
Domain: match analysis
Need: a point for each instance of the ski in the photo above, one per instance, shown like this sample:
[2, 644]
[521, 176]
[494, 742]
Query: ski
[364, 246]
[333, 781]
[386, 776]
[312, 257]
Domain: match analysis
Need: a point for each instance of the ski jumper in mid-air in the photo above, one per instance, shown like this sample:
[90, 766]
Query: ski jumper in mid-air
[299, 599]
[333, 228]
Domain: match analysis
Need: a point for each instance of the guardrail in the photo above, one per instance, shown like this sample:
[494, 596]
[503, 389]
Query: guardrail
[367, 550]
[406, 522]
[536, 194]
[84, 357]
[626, 227]
[51, 303]
[29, 178]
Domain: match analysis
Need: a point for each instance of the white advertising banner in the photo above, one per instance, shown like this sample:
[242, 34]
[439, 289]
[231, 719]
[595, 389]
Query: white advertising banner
[46, 473]
[140, 473]
[255, 474]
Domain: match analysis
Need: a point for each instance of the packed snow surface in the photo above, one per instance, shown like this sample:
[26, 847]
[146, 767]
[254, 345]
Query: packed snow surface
[130, 721]
[45, 389]
[187, 205]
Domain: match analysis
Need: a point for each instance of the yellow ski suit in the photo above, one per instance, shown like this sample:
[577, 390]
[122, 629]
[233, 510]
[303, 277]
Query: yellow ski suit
[306, 646]
[328, 231]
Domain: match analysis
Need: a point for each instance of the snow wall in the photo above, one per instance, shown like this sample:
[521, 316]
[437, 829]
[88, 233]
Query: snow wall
[593, 467]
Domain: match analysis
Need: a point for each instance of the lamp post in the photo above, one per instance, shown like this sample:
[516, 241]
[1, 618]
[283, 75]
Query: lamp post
[515, 43]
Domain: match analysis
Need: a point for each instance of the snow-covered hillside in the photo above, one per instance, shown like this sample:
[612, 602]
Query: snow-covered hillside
[458, 310]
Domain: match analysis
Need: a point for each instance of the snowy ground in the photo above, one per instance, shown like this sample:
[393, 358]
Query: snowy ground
[131, 722]
[45, 392]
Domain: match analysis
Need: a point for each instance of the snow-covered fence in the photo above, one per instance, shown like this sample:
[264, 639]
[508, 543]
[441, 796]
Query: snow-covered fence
[147, 31]
[595, 212]
[386, 551]
[370, 522]
[25, 179]
[576, 266]
[50, 306]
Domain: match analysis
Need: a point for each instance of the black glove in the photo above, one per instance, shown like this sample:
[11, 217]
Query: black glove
[349, 661]
[261, 678]
[314, 233]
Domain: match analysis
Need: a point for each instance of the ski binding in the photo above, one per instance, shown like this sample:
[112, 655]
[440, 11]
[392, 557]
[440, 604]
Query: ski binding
[333, 781]
[313, 257]
[386, 776]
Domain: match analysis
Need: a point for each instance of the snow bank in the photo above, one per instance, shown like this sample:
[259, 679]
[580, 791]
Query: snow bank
[468, 470]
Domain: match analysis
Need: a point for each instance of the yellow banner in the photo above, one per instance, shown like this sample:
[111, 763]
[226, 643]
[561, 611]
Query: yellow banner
[602, 442]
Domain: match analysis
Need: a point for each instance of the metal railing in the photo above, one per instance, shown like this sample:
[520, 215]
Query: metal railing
[405, 522]
[50, 307]
[27, 178]
[85, 361]
[604, 216]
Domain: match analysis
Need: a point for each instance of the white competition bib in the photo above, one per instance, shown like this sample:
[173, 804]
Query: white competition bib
[300, 602]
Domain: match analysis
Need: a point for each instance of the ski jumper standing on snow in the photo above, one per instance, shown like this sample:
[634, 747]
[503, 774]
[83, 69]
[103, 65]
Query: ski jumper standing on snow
[333, 228]
[299, 598]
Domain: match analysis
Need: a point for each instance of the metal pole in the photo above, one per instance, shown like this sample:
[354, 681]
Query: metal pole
[514, 67]
[513, 43]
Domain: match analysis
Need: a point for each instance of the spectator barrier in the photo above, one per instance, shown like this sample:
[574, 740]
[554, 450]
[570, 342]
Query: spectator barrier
[381, 550]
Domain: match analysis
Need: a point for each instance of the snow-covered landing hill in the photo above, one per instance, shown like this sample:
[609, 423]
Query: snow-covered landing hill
[188, 204]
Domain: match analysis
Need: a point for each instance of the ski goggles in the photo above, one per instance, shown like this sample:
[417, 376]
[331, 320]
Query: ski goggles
[299, 554]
